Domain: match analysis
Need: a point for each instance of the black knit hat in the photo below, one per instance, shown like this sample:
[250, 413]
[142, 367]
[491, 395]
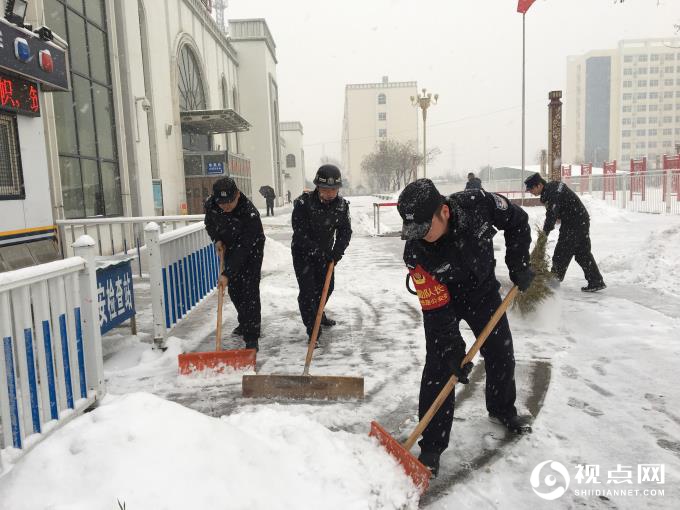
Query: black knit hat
[533, 180]
[224, 190]
[416, 205]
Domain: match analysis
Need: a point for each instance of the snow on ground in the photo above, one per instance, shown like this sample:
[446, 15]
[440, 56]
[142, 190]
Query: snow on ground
[597, 372]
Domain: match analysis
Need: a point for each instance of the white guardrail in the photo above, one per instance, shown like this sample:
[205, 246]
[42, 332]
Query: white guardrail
[183, 270]
[51, 365]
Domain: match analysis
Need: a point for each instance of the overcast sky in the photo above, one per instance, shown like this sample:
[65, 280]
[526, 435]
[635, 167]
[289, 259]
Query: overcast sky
[468, 51]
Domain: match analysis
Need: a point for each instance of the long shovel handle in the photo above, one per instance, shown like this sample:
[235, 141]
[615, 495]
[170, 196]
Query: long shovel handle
[319, 314]
[220, 302]
[448, 388]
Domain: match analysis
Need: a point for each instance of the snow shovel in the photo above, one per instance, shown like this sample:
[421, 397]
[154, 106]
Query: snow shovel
[190, 362]
[305, 385]
[401, 452]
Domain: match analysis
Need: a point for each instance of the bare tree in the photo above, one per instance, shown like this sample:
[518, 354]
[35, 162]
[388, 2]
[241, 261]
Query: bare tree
[394, 164]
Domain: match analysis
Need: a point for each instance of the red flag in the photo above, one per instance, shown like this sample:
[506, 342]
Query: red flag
[523, 5]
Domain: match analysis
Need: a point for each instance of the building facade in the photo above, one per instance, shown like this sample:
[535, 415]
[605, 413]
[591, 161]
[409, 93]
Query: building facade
[293, 157]
[623, 103]
[375, 112]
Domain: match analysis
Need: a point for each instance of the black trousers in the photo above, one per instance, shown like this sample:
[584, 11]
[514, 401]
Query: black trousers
[575, 243]
[270, 206]
[244, 292]
[499, 361]
[311, 275]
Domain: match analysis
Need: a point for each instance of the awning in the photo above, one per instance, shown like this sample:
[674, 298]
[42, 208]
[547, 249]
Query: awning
[212, 122]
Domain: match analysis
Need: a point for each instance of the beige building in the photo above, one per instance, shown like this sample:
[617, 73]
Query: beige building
[623, 103]
[375, 112]
[292, 158]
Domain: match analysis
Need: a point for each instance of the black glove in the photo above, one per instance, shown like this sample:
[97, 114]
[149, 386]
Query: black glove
[454, 367]
[336, 256]
[522, 278]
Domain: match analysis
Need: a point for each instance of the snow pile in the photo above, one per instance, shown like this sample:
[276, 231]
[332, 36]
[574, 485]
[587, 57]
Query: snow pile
[151, 453]
[276, 256]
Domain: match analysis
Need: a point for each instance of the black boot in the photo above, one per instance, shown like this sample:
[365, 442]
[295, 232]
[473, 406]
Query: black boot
[238, 331]
[252, 344]
[325, 321]
[431, 461]
[515, 424]
[594, 287]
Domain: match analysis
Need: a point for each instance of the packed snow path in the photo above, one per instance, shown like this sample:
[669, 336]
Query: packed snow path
[597, 370]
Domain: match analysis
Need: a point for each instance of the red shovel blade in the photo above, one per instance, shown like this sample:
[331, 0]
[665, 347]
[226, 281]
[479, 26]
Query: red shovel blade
[237, 359]
[418, 473]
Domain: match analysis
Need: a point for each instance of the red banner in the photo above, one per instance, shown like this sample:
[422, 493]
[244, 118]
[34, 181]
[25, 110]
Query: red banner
[523, 5]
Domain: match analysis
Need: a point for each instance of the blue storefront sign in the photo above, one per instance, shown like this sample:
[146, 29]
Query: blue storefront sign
[115, 294]
[215, 168]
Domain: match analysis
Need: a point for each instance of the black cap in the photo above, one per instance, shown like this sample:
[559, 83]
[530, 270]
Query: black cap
[224, 190]
[416, 205]
[328, 176]
[533, 180]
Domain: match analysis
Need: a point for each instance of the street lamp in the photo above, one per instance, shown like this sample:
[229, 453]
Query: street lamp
[424, 100]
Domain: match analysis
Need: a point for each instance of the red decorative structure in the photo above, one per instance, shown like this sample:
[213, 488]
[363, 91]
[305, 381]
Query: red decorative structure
[638, 170]
[566, 174]
[586, 172]
[672, 164]
[609, 179]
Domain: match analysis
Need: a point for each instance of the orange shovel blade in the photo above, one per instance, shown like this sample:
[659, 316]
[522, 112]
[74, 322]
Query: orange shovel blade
[216, 361]
[418, 473]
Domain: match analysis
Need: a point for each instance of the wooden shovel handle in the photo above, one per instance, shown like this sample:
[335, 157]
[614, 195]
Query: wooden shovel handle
[317, 321]
[446, 390]
[220, 302]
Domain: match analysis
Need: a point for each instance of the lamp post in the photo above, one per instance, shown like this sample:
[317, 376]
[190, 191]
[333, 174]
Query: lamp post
[424, 101]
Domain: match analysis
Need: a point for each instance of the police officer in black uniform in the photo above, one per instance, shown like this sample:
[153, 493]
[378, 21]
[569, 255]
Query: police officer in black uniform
[234, 224]
[450, 258]
[561, 203]
[321, 233]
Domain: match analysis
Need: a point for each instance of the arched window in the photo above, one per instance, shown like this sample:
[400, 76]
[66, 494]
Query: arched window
[382, 99]
[191, 95]
[290, 161]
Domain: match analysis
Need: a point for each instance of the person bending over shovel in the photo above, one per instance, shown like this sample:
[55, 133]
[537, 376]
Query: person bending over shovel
[450, 259]
[233, 223]
[321, 232]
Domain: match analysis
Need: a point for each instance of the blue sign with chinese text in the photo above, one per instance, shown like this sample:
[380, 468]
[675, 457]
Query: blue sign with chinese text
[115, 295]
[215, 168]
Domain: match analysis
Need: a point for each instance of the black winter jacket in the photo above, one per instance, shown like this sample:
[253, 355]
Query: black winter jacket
[320, 229]
[240, 231]
[561, 203]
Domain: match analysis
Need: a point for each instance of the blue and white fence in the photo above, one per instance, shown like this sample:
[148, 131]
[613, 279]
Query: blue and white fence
[51, 366]
[183, 270]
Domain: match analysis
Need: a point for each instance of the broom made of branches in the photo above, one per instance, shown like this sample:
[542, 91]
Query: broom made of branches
[539, 290]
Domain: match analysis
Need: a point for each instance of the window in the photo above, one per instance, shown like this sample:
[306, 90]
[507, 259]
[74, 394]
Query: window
[641, 95]
[651, 132]
[382, 99]
[628, 58]
[677, 131]
[628, 71]
[669, 56]
[653, 95]
[640, 132]
[667, 107]
[11, 173]
[654, 70]
[651, 145]
[642, 108]
[382, 133]
[677, 69]
[290, 161]
[627, 108]
[653, 120]
[625, 145]
[667, 132]
[382, 115]
[642, 70]
[667, 94]
[626, 121]
[641, 120]
[643, 58]
[667, 119]
[642, 83]
[627, 84]
[653, 83]
[625, 133]
[653, 107]
[640, 145]
[668, 82]
[84, 117]
[667, 143]
[668, 69]
[627, 96]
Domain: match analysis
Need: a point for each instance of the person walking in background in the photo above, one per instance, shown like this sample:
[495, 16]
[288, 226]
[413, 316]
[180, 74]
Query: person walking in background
[288, 199]
[473, 182]
[322, 230]
[561, 203]
[270, 201]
